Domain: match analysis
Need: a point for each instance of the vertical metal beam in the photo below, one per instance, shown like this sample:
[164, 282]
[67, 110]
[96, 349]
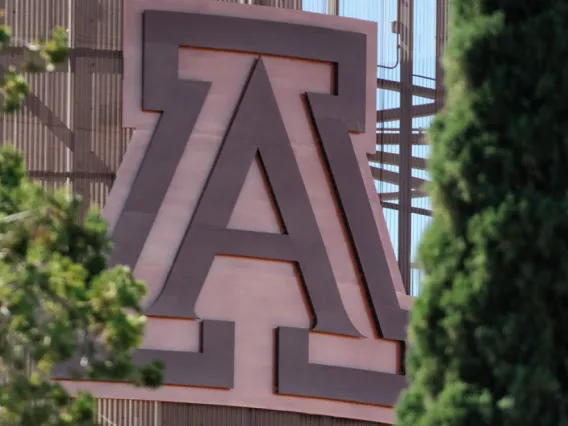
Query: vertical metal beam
[441, 38]
[406, 13]
[333, 7]
[84, 29]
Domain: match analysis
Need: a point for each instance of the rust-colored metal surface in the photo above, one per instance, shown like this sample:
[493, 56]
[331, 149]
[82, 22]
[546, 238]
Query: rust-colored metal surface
[69, 135]
[72, 136]
[337, 127]
[72, 133]
[257, 127]
[309, 110]
[112, 412]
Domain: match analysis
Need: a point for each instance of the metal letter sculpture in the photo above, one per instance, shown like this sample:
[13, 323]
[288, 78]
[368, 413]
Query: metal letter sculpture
[257, 131]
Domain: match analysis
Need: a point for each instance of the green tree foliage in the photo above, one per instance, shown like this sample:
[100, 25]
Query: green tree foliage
[488, 339]
[58, 299]
[42, 55]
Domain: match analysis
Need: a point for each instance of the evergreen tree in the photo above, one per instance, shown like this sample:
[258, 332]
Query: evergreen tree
[58, 299]
[488, 343]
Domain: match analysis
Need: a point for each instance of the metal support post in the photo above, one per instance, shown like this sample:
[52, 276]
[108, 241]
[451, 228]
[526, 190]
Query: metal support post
[406, 14]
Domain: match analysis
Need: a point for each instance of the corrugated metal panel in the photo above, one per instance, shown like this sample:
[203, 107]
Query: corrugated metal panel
[283, 4]
[175, 414]
[99, 140]
[40, 130]
[109, 25]
[125, 412]
[108, 140]
[70, 129]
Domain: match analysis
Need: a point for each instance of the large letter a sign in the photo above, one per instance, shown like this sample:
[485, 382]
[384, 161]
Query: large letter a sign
[244, 202]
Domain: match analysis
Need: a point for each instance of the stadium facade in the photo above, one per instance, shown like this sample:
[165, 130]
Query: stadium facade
[248, 339]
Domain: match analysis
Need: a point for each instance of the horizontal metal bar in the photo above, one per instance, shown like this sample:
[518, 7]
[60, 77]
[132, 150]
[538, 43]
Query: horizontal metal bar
[395, 86]
[74, 52]
[109, 61]
[46, 174]
[393, 177]
[394, 114]
[385, 196]
[394, 160]
[394, 139]
[415, 210]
